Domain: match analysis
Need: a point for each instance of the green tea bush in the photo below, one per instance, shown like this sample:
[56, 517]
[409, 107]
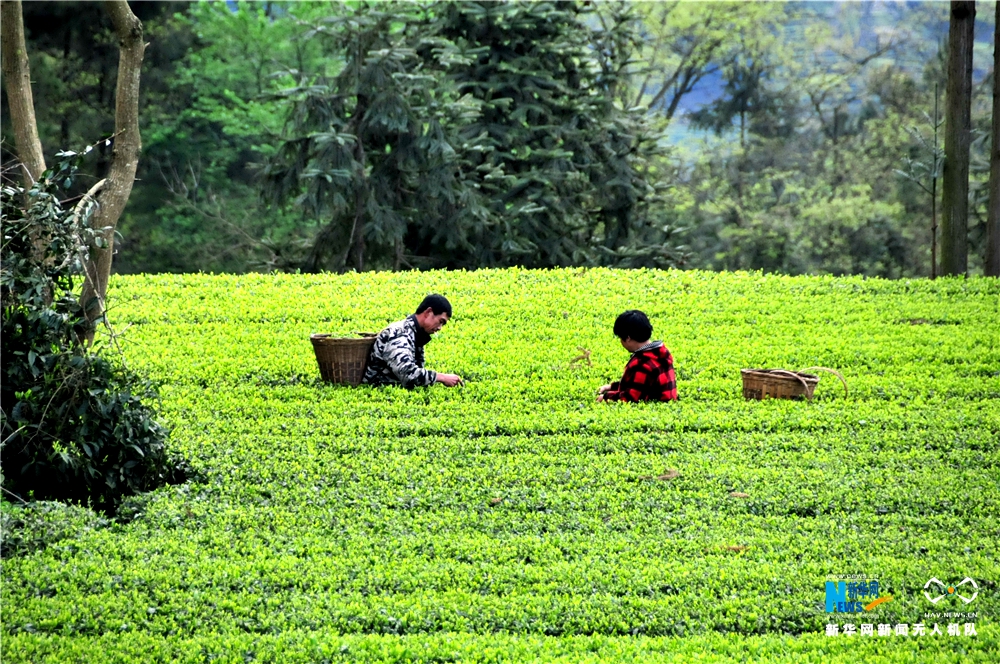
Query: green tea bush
[75, 425]
[516, 519]
[33, 526]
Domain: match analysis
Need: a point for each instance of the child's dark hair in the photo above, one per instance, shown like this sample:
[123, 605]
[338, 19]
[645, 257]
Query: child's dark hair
[439, 304]
[634, 325]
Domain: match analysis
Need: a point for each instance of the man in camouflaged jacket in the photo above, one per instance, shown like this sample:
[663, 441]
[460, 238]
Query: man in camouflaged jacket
[397, 358]
[649, 375]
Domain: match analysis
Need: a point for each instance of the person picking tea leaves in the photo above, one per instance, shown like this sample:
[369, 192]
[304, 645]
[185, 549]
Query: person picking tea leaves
[397, 358]
[649, 374]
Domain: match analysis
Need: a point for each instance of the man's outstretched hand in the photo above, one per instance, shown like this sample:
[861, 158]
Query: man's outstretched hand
[449, 380]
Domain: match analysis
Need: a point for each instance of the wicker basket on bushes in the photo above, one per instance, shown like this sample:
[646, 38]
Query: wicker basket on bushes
[782, 384]
[342, 360]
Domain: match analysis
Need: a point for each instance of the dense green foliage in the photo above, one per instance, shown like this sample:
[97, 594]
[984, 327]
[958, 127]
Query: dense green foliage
[73, 424]
[207, 127]
[565, 168]
[515, 518]
[520, 133]
[469, 135]
[43, 523]
[370, 148]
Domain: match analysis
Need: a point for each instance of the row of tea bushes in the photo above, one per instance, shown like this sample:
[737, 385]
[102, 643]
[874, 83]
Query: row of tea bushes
[517, 519]
[309, 647]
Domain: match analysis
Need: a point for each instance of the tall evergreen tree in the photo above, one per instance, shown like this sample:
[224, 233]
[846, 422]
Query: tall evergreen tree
[560, 162]
[531, 77]
[369, 147]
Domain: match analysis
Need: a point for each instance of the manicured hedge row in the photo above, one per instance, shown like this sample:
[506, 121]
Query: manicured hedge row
[309, 647]
[514, 518]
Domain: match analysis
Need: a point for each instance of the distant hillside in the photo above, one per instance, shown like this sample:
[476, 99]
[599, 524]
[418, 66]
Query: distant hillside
[920, 29]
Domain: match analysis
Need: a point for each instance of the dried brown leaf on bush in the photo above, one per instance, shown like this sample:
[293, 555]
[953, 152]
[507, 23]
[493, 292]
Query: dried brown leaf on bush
[739, 494]
[584, 357]
[669, 474]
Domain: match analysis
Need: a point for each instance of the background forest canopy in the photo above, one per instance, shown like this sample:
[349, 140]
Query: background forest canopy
[787, 137]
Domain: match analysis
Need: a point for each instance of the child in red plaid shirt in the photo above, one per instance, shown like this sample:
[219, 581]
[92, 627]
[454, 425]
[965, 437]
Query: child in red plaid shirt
[649, 375]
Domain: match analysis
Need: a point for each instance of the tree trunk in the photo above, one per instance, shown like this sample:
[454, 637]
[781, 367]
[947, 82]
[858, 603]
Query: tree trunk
[124, 156]
[17, 75]
[992, 267]
[957, 139]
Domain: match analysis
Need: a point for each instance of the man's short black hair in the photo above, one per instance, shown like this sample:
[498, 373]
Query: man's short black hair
[439, 304]
[633, 324]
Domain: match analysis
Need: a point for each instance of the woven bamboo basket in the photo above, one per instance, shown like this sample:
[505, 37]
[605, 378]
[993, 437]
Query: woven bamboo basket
[342, 360]
[782, 384]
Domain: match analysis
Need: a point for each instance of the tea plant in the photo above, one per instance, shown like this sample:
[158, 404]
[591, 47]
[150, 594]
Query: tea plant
[517, 519]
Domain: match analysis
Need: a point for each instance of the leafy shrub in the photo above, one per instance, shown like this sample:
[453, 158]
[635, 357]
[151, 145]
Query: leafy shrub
[74, 424]
[38, 524]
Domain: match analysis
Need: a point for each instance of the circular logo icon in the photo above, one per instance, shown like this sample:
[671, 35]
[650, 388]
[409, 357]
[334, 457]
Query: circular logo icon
[946, 591]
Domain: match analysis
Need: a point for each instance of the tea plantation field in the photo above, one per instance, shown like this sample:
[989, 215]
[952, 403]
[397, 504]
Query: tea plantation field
[515, 519]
